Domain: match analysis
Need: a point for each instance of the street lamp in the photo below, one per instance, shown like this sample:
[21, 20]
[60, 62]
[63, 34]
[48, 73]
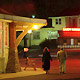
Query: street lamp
[33, 16]
[35, 27]
[30, 31]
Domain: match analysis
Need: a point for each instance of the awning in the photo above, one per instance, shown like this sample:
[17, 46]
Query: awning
[22, 23]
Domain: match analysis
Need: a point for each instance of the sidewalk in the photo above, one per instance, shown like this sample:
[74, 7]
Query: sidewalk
[72, 71]
[39, 75]
[23, 74]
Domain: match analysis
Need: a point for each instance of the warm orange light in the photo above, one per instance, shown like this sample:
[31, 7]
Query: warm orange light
[71, 29]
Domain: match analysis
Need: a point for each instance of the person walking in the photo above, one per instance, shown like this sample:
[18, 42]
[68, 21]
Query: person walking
[29, 63]
[46, 59]
[61, 55]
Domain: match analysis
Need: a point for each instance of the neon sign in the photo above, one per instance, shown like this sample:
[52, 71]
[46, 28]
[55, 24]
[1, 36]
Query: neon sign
[71, 29]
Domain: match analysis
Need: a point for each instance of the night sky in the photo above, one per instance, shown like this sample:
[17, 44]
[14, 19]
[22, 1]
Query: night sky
[40, 8]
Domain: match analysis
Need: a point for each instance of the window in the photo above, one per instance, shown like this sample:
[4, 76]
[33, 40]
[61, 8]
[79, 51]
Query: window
[79, 21]
[0, 37]
[0, 26]
[6, 35]
[65, 40]
[49, 21]
[36, 35]
[58, 21]
[74, 23]
[79, 40]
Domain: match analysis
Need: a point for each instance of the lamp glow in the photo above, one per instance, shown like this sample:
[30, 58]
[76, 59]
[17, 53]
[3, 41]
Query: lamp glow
[35, 27]
[33, 16]
[30, 31]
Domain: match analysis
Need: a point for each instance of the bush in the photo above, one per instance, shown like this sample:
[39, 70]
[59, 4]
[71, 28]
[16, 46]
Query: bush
[50, 43]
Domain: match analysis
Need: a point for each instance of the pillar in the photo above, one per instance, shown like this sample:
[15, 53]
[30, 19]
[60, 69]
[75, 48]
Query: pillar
[3, 52]
[13, 60]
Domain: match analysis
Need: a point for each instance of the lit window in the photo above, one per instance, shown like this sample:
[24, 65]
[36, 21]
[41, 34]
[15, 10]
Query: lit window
[36, 35]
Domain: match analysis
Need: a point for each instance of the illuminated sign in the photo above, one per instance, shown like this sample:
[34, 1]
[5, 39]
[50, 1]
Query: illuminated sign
[71, 29]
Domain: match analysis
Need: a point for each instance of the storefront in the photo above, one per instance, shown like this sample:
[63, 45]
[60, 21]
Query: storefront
[69, 38]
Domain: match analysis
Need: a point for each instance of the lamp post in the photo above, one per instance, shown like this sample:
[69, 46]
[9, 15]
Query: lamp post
[30, 31]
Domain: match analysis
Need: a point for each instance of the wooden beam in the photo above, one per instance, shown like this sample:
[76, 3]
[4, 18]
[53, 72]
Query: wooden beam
[18, 40]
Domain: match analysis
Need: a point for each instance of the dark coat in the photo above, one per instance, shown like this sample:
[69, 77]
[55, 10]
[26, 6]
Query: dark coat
[46, 60]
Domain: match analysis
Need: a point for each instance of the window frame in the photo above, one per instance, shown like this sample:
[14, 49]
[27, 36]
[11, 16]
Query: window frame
[36, 35]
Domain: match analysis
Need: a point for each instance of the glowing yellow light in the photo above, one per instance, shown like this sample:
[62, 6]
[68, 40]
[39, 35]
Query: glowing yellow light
[35, 27]
[30, 31]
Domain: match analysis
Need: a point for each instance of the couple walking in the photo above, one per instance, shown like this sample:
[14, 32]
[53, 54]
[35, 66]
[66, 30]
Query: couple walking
[61, 55]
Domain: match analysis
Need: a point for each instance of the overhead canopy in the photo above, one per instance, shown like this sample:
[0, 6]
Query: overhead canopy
[23, 22]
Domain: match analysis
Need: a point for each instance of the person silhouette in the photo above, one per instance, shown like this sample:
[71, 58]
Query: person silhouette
[61, 55]
[46, 59]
